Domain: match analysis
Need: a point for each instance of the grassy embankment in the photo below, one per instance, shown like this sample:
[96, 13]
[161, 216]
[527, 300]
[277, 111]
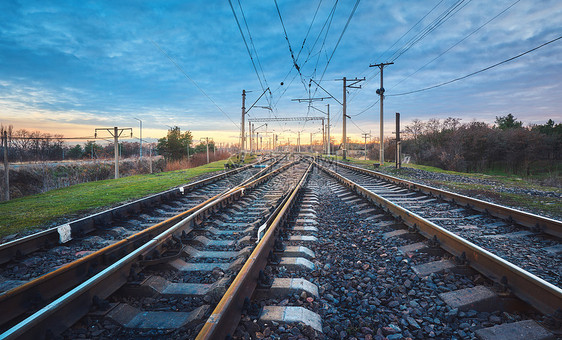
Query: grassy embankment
[550, 206]
[50, 208]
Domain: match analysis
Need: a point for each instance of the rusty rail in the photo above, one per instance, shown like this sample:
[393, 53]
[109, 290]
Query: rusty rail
[67, 309]
[226, 315]
[539, 293]
[535, 222]
[52, 236]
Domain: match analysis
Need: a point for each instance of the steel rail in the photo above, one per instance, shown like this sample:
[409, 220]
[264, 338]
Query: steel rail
[52, 236]
[19, 300]
[227, 313]
[534, 222]
[537, 292]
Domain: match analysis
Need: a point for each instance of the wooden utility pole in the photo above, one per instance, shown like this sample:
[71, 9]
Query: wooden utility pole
[115, 133]
[380, 92]
[6, 167]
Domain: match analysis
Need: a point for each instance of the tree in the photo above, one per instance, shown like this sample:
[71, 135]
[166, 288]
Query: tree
[75, 152]
[175, 144]
[508, 122]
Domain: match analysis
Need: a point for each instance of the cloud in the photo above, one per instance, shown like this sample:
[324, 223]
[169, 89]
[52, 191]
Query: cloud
[94, 62]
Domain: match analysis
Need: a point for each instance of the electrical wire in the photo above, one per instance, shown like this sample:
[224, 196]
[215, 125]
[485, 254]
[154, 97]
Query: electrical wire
[458, 42]
[194, 83]
[340, 38]
[246, 43]
[442, 18]
[479, 71]
[256, 54]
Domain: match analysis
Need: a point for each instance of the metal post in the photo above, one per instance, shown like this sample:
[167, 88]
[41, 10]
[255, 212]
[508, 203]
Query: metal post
[380, 92]
[6, 167]
[242, 139]
[311, 142]
[249, 137]
[323, 137]
[116, 151]
[365, 135]
[140, 151]
[151, 159]
[344, 116]
[207, 150]
[381, 143]
[299, 142]
[329, 141]
[398, 142]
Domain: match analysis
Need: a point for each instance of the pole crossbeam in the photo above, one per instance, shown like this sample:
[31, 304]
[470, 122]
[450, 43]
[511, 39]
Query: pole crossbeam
[115, 132]
[288, 119]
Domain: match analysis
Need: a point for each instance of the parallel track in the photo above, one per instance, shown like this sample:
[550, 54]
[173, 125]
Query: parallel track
[392, 196]
[170, 242]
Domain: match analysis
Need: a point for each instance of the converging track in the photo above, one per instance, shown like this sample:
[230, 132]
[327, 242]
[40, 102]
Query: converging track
[302, 249]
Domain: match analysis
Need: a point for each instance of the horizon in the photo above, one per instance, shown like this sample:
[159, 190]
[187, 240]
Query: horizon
[68, 69]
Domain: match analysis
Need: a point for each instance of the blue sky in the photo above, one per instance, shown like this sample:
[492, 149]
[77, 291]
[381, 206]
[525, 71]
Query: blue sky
[71, 67]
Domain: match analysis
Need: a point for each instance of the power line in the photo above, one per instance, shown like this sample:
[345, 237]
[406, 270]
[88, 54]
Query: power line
[479, 71]
[194, 83]
[245, 42]
[411, 28]
[458, 42]
[443, 17]
[287, 38]
[340, 37]
[269, 99]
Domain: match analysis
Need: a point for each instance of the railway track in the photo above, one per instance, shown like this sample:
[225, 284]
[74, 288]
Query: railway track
[192, 246]
[330, 253]
[32, 263]
[516, 250]
[373, 277]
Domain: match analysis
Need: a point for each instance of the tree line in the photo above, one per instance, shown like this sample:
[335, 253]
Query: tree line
[477, 146]
[36, 146]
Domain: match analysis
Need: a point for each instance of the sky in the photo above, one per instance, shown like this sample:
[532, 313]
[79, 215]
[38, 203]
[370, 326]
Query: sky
[69, 67]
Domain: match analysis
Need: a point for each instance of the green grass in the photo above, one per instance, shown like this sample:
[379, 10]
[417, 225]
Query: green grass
[51, 207]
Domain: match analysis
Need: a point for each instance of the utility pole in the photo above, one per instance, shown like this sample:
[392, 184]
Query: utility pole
[323, 137]
[311, 141]
[140, 151]
[242, 139]
[365, 135]
[380, 92]
[344, 104]
[207, 138]
[6, 166]
[398, 142]
[150, 158]
[299, 142]
[329, 141]
[115, 133]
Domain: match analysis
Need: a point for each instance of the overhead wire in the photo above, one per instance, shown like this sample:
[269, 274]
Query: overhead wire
[458, 42]
[194, 83]
[255, 52]
[245, 43]
[442, 18]
[479, 71]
